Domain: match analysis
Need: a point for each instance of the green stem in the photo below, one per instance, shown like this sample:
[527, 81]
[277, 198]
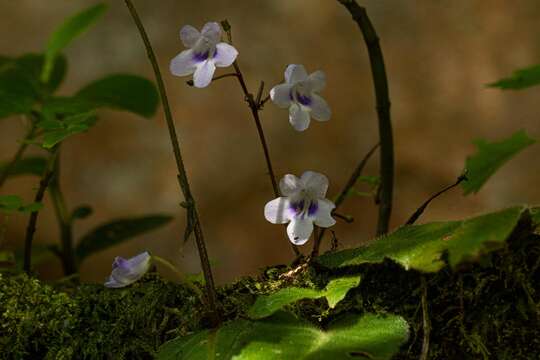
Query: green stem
[181, 277]
[31, 227]
[18, 155]
[192, 214]
[64, 221]
[380, 83]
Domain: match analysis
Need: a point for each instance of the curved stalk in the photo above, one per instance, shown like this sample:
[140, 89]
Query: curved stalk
[192, 214]
[382, 100]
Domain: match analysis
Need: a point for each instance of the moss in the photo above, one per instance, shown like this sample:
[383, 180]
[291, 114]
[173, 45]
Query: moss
[486, 310]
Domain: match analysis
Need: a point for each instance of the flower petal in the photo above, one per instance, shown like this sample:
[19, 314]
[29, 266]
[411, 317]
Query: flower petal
[299, 230]
[277, 211]
[317, 80]
[295, 73]
[319, 108]
[203, 74]
[290, 185]
[298, 117]
[212, 32]
[183, 63]
[323, 217]
[189, 36]
[126, 272]
[316, 183]
[225, 55]
[281, 95]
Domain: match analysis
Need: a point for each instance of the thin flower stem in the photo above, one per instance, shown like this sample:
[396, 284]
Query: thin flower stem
[180, 276]
[18, 155]
[31, 227]
[190, 82]
[255, 106]
[192, 214]
[426, 323]
[343, 194]
[382, 98]
[422, 208]
[64, 222]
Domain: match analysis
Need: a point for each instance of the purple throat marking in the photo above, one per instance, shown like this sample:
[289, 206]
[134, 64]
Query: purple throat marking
[303, 99]
[199, 57]
[313, 207]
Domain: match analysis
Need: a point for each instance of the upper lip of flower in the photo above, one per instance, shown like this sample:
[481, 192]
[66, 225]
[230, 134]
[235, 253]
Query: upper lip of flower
[204, 52]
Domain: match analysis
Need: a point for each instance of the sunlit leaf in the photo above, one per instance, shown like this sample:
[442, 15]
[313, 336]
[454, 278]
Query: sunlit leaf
[520, 79]
[421, 247]
[490, 157]
[116, 232]
[334, 292]
[285, 337]
[123, 92]
[70, 29]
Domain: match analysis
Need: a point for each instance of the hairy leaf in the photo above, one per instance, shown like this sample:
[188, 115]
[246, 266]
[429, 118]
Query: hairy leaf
[520, 79]
[116, 232]
[123, 92]
[421, 247]
[70, 29]
[285, 337]
[490, 157]
[334, 292]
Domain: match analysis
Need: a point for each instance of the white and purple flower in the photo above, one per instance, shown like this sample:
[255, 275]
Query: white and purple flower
[126, 271]
[204, 54]
[303, 204]
[300, 95]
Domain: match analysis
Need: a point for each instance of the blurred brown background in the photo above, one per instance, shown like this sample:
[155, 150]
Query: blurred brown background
[439, 56]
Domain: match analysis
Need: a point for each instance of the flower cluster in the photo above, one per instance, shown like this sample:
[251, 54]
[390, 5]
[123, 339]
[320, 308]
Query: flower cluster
[303, 203]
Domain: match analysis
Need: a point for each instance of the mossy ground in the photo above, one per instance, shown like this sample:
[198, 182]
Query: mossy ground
[485, 310]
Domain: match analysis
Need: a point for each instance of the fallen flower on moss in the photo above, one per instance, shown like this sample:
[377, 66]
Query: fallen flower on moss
[126, 271]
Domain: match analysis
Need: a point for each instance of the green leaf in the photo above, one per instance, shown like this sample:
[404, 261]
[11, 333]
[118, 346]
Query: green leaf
[334, 292]
[116, 232]
[284, 337]
[7, 259]
[10, 203]
[81, 212]
[421, 247]
[33, 64]
[490, 157]
[123, 92]
[520, 79]
[70, 29]
[27, 166]
[13, 203]
[20, 85]
[40, 254]
[57, 131]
